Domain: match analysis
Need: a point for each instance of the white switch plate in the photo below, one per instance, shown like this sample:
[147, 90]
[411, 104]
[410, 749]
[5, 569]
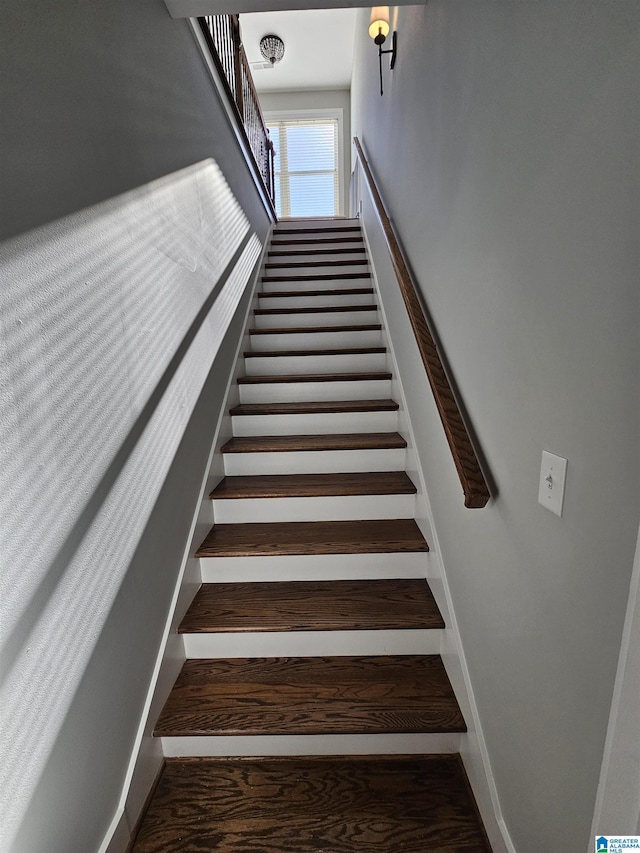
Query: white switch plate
[553, 473]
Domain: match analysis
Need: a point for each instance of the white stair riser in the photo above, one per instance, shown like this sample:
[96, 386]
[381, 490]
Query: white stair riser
[312, 643]
[333, 508]
[317, 230]
[318, 462]
[312, 239]
[268, 286]
[316, 340]
[286, 365]
[302, 300]
[293, 319]
[316, 424]
[300, 245]
[307, 392]
[391, 744]
[316, 222]
[318, 567]
[335, 254]
[312, 267]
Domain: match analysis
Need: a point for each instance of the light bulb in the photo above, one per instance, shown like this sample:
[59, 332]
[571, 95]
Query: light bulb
[379, 22]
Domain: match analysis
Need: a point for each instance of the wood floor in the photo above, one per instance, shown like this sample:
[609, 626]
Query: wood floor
[313, 377]
[320, 407]
[387, 536]
[308, 805]
[313, 606]
[283, 331]
[311, 443]
[311, 695]
[302, 353]
[313, 485]
[338, 643]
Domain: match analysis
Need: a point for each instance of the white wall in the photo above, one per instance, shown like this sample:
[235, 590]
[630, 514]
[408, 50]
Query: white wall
[318, 100]
[506, 149]
[113, 368]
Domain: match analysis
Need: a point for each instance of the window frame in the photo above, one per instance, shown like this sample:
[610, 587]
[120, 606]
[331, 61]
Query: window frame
[332, 113]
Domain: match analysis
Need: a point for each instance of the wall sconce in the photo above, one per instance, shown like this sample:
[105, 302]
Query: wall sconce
[379, 30]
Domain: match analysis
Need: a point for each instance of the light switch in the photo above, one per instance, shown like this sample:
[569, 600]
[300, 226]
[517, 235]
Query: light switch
[553, 472]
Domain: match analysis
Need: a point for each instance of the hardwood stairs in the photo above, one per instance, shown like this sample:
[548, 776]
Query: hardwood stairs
[313, 712]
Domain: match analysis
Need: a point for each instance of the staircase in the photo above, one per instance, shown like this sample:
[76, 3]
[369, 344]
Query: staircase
[313, 712]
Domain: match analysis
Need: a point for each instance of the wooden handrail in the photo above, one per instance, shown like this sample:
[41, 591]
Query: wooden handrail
[474, 486]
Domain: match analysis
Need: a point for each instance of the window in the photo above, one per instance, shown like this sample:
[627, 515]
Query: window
[306, 166]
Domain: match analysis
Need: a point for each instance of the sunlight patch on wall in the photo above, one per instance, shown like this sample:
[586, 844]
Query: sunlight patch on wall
[111, 320]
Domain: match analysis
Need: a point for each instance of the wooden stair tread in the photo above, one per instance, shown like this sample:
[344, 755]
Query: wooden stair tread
[309, 805]
[317, 230]
[313, 485]
[262, 539]
[314, 443]
[371, 694]
[313, 606]
[349, 262]
[346, 250]
[301, 353]
[359, 804]
[331, 291]
[336, 276]
[314, 408]
[313, 377]
[313, 330]
[333, 309]
[316, 241]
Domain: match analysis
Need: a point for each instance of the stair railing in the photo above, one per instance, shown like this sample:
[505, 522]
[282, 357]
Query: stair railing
[474, 486]
[222, 35]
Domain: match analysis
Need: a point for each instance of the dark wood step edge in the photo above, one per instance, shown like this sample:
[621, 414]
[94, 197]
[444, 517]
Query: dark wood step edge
[313, 377]
[275, 486]
[325, 309]
[260, 539]
[314, 443]
[293, 294]
[314, 330]
[346, 262]
[344, 605]
[338, 276]
[316, 241]
[309, 352]
[299, 253]
[333, 229]
[406, 708]
[314, 408]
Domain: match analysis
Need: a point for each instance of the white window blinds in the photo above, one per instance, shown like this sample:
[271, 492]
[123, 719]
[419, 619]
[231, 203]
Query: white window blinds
[306, 167]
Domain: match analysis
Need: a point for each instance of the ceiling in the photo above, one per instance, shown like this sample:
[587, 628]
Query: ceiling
[318, 48]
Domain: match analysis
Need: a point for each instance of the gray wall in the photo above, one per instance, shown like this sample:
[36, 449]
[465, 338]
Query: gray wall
[325, 99]
[97, 99]
[113, 369]
[506, 147]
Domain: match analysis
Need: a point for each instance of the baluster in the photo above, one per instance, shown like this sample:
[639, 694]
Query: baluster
[224, 33]
[236, 46]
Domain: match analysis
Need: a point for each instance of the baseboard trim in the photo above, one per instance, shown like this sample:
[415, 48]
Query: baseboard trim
[118, 836]
[149, 797]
